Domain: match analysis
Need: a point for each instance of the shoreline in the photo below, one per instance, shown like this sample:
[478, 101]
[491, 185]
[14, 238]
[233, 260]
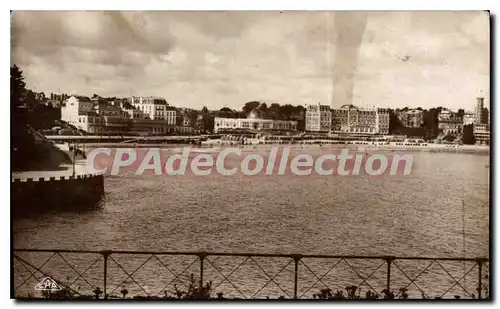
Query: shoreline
[67, 169]
[361, 146]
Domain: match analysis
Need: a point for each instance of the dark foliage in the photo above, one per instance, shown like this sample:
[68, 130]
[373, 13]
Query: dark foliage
[468, 135]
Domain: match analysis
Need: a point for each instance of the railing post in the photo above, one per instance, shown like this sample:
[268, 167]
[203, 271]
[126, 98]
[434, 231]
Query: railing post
[201, 256]
[105, 255]
[296, 259]
[479, 282]
[389, 260]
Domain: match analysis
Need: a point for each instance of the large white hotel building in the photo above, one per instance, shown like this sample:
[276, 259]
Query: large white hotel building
[155, 108]
[347, 119]
[253, 124]
[318, 118]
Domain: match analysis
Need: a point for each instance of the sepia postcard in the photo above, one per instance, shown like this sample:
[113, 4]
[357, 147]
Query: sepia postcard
[223, 155]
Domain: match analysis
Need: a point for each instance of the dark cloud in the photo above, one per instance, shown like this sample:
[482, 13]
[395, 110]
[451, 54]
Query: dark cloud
[107, 38]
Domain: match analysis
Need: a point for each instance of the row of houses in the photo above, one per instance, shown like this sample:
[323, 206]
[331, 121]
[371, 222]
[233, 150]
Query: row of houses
[153, 115]
[452, 123]
[141, 115]
[449, 121]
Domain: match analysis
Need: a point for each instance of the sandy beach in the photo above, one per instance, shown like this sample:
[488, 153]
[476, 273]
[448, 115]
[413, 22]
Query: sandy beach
[482, 149]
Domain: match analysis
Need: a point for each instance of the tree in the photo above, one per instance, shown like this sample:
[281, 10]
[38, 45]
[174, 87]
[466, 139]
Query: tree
[395, 124]
[468, 135]
[179, 119]
[287, 111]
[204, 110]
[208, 123]
[431, 124]
[17, 86]
[226, 112]
[274, 111]
[29, 99]
[192, 115]
[249, 106]
[274, 106]
[460, 113]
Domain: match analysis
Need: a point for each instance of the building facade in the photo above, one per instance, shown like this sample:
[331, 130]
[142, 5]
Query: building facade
[351, 119]
[77, 107]
[156, 108]
[204, 123]
[482, 133]
[383, 120]
[253, 124]
[101, 117]
[318, 118]
[468, 118]
[478, 110]
[449, 122]
[412, 118]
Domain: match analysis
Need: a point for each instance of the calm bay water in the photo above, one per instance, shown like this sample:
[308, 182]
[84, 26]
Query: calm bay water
[415, 215]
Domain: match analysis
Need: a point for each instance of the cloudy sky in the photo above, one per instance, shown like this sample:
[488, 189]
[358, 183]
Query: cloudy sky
[391, 59]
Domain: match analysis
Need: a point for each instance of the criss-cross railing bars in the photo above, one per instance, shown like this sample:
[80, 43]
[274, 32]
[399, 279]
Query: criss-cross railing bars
[393, 265]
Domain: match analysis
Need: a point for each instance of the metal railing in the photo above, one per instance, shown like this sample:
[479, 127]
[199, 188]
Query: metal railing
[260, 275]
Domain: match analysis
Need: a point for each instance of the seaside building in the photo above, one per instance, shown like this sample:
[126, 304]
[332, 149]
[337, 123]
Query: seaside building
[318, 118]
[157, 108]
[185, 121]
[79, 112]
[59, 97]
[134, 113]
[482, 133]
[351, 119]
[468, 118]
[53, 103]
[200, 123]
[413, 118]
[383, 120]
[40, 97]
[184, 130]
[204, 123]
[55, 100]
[253, 124]
[102, 117]
[449, 122]
[478, 110]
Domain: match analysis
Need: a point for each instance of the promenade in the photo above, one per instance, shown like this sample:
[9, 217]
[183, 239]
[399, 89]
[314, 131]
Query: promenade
[64, 170]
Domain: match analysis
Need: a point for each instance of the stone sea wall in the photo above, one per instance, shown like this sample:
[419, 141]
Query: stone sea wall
[38, 195]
